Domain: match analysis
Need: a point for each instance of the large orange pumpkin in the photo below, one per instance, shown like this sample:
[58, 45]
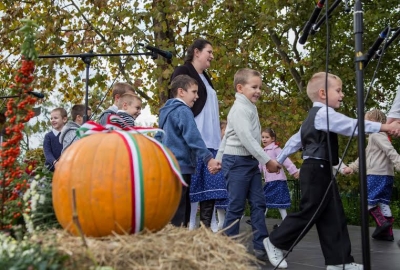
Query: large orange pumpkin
[111, 194]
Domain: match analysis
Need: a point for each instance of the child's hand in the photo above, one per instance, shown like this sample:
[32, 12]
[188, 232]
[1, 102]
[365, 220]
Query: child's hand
[394, 128]
[296, 174]
[390, 120]
[273, 166]
[347, 170]
[214, 166]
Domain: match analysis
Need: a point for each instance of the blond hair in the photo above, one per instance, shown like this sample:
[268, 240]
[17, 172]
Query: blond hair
[376, 116]
[127, 98]
[121, 88]
[317, 82]
[242, 76]
[62, 111]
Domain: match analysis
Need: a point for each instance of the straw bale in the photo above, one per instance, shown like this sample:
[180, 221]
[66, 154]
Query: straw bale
[170, 248]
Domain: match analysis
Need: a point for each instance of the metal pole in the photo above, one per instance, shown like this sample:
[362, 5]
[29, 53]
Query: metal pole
[359, 63]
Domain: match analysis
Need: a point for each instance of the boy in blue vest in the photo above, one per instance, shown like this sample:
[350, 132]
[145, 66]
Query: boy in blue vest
[316, 177]
[184, 139]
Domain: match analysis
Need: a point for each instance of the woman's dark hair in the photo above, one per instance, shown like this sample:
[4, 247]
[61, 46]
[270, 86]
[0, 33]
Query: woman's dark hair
[197, 44]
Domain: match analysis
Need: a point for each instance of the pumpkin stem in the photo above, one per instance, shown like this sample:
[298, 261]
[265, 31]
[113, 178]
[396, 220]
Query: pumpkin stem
[76, 219]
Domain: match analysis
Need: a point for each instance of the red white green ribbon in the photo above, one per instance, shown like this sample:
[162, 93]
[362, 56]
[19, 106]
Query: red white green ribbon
[135, 161]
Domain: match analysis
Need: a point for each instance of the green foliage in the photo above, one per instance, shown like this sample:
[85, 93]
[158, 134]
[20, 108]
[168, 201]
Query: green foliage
[36, 155]
[24, 254]
[40, 213]
[28, 46]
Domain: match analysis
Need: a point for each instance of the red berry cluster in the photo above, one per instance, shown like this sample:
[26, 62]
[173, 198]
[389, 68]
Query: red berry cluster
[19, 111]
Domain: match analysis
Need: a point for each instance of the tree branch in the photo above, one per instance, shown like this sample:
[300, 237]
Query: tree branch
[102, 37]
[296, 52]
[286, 59]
[89, 23]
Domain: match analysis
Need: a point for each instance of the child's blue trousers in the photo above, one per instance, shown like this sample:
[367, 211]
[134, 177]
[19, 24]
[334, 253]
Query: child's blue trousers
[243, 181]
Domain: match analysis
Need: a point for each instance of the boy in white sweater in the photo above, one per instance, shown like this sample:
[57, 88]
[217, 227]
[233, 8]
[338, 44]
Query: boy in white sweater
[240, 152]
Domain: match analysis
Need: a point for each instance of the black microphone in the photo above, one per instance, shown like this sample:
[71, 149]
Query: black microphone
[165, 54]
[374, 48]
[395, 35]
[36, 94]
[311, 21]
[316, 26]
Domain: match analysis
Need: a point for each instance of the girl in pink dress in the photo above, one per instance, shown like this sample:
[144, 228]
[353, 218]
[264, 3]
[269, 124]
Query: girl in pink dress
[276, 190]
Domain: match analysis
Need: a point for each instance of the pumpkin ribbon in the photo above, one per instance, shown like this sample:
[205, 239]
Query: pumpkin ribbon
[91, 127]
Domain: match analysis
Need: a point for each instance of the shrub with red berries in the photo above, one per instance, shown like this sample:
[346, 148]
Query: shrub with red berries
[13, 176]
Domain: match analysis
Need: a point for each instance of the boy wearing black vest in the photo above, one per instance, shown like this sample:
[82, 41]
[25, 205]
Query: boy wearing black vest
[315, 176]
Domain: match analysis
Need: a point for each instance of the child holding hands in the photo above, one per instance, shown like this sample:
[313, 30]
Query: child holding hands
[184, 139]
[316, 177]
[241, 153]
[276, 190]
[381, 160]
[222, 204]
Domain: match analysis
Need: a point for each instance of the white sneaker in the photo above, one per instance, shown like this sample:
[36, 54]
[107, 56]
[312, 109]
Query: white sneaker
[348, 266]
[275, 255]
[214, 227]
[220, 226]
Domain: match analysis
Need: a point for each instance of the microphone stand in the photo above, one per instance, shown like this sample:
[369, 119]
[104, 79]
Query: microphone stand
[359, 68]
[87, 58]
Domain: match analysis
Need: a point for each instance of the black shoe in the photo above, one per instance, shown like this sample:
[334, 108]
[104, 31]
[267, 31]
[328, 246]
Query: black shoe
[206, 212]
[383, 237]
[248, 221]
[261, 255]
